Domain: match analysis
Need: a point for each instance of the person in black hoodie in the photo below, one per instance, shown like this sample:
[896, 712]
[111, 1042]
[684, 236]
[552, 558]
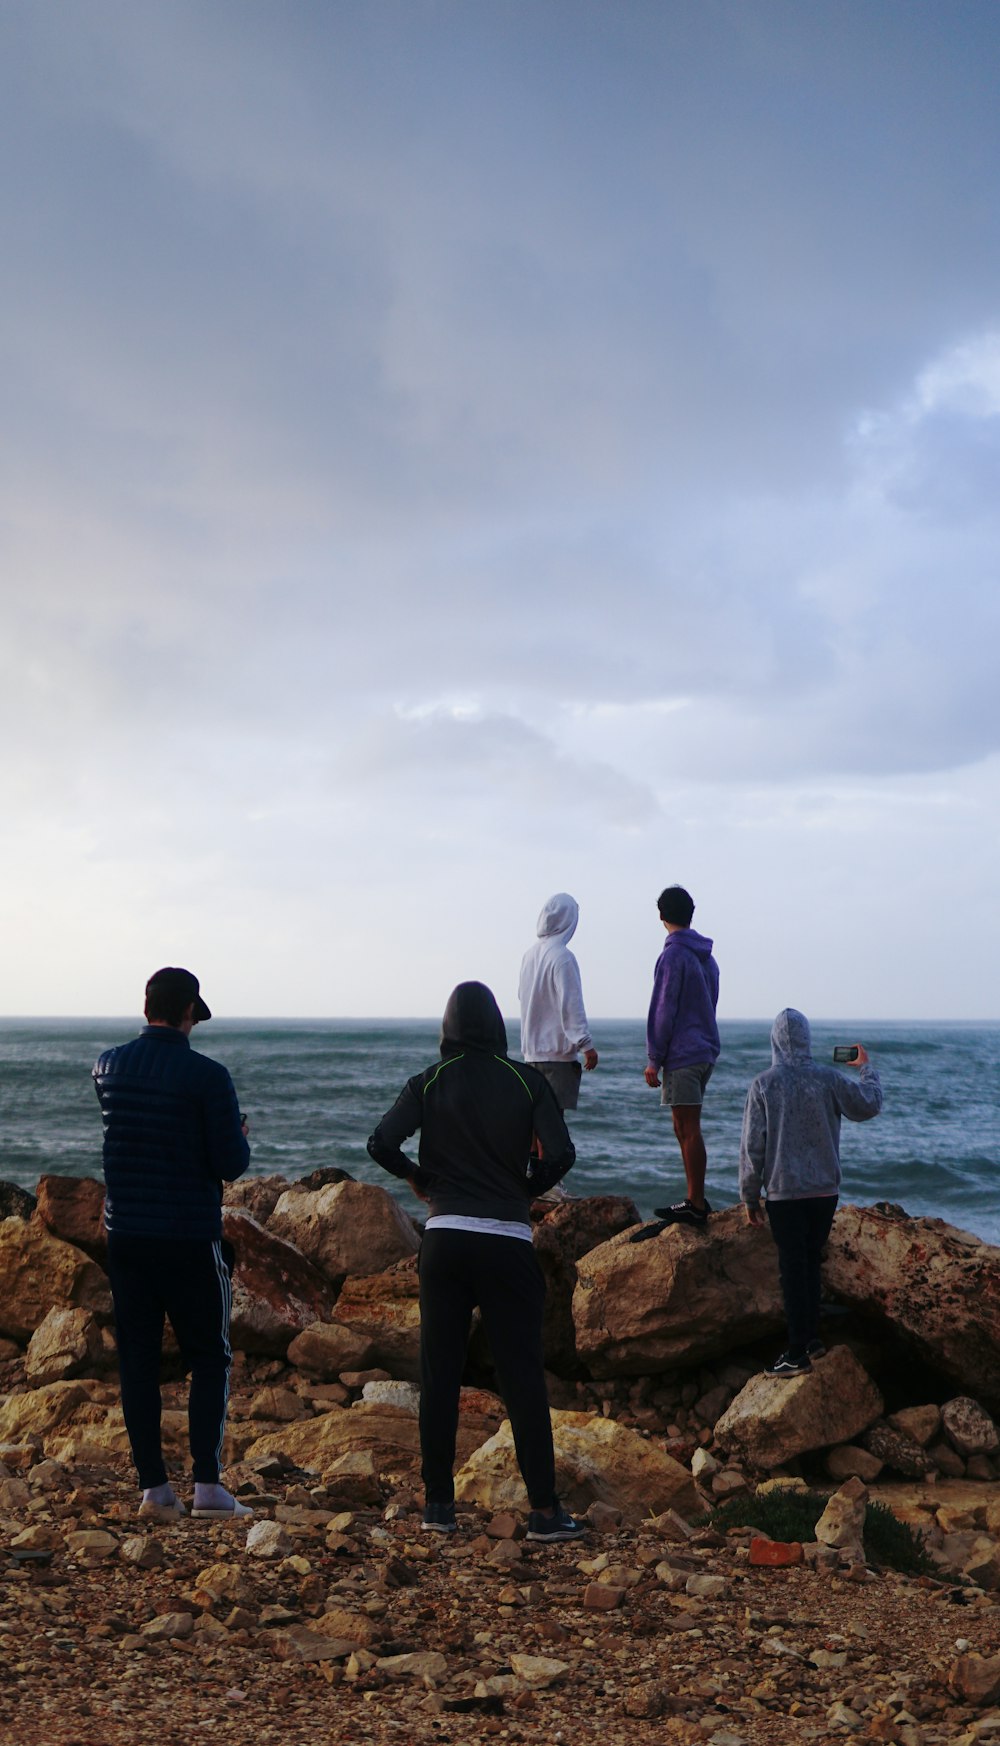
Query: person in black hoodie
[477, 1113]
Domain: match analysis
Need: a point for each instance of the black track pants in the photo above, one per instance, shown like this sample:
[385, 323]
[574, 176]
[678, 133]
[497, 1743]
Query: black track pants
[800, 1228]
[151, 1278]
[460, 1271]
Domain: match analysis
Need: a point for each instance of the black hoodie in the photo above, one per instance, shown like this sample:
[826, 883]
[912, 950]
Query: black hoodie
[477, 1112]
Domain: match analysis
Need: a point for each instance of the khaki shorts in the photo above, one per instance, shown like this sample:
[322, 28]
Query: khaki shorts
[686, 1085]
[564, 1078]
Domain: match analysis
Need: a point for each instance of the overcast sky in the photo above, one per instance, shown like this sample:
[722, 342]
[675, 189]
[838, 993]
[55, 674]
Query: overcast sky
[453, 452]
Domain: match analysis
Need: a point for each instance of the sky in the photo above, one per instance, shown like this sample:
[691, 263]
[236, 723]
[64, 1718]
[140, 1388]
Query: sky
[452, 453]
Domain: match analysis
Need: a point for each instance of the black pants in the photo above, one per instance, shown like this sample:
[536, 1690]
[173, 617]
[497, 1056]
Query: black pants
[190, 1283]
[800, 1228]
[460, 1270]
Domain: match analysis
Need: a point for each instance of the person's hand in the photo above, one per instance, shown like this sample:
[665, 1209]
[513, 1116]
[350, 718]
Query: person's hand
[862, 1055]
[590, 1059]
[652, 1078]
[244, 1126]
[755, 1214]
[419, 1192]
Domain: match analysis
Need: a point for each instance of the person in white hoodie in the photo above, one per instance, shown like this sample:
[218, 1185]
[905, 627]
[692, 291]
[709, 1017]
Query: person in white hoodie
[554, 1028]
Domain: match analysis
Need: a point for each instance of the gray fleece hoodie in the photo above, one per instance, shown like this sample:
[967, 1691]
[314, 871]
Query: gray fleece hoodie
[790, 1145]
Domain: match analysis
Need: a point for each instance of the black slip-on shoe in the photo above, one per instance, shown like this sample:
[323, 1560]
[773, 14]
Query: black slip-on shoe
[645, 1232]
[684, 1213]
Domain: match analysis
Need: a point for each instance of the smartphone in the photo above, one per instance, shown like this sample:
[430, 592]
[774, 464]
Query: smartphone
[846, 1052]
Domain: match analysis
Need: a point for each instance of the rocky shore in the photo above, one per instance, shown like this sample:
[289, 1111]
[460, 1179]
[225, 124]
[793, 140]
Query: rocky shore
[332, 1612]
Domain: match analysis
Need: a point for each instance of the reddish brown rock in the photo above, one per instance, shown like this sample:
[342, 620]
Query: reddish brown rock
[774, 1419]
[597, 1460]
[328, 1349]
[39, 1272]
[384, 1309]
[681, 1297]
[276, 1291]
[976, 1679]
[256, 1195]
[568, 1230]
[345, 1229]
[599, 1597]
[775, 1554]
[72, 1207]
[387, 1433]
[938, 1286]
[67, 1343]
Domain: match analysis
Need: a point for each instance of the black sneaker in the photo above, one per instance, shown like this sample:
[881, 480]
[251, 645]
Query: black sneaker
[439, 1518]
[684, 1213]
[786, 1365]
[560, 1526]
[645, 1232]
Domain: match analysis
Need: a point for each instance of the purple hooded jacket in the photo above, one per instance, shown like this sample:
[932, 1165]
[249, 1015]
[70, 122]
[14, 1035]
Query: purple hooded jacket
[681, 1030]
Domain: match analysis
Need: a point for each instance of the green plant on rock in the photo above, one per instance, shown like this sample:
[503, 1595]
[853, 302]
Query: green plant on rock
[789, 1514]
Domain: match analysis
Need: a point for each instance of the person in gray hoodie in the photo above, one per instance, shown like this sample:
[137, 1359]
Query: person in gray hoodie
[790, 1153]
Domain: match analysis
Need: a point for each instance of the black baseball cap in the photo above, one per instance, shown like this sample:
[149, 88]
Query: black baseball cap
[179, 986]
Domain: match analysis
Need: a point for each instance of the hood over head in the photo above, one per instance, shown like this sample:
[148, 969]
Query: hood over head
[688, 940]
[558, 918]
[472, 1020]
[790, 1039]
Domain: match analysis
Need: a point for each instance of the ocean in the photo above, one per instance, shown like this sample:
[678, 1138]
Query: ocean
[314, 1089]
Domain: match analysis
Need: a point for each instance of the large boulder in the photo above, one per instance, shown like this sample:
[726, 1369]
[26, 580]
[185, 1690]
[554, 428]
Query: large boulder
[346, 1228]
[15, 1201]
[388, 1432]
[775, 1418]
[326, 1349]
[38, 1272]
[64, 1345]
[40, 1411]
[938, 1286]
[597, 1461]
[682, 1297]
[384, 1309]
[87, 1433]
[256, 1195]
[571, 1229]
[276, 1291]
[72, 1207]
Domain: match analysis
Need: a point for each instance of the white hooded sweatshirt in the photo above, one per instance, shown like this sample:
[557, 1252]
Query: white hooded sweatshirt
[553, 1019]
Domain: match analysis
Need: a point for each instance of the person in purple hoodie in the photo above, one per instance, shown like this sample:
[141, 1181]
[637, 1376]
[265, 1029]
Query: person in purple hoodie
[682, 1043]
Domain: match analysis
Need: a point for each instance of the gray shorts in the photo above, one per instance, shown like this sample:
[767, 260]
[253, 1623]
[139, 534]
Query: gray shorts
[686, 1085]
[564, 1078]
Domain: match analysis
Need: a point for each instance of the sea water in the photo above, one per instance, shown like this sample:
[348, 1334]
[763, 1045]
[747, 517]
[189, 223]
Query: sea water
[314, 1089]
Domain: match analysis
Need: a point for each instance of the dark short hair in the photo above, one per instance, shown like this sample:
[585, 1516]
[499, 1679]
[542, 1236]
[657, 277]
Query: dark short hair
[676, 905]
[169, 993]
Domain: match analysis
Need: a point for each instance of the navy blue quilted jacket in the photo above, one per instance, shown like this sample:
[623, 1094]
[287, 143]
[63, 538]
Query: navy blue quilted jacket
[172, 1135]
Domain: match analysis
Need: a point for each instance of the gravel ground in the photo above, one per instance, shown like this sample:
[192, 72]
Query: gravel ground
[178, 1631]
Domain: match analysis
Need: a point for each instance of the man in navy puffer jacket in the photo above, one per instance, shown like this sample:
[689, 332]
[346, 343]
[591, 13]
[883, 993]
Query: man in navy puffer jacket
[173, 1133]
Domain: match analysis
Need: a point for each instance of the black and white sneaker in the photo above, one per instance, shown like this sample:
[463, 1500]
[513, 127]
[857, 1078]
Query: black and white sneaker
[684, 1213]
[439, 1518]
[558, 1526]
[786, 1365]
